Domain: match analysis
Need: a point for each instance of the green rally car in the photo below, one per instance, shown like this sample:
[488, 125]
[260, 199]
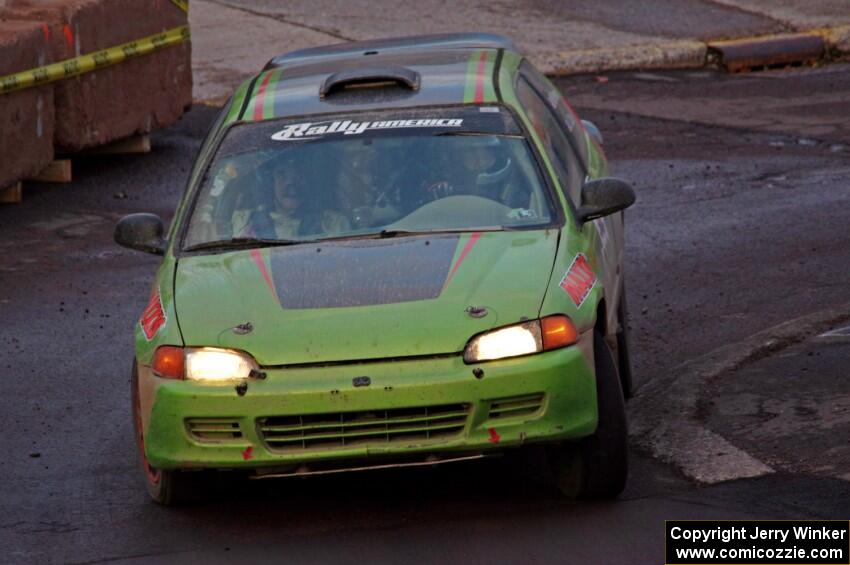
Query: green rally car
[391, 253]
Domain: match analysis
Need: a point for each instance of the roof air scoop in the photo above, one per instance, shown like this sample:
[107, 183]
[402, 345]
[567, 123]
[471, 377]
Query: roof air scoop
[370, 78]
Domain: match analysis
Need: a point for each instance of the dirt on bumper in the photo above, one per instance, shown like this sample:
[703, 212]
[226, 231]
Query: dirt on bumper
[409, 407]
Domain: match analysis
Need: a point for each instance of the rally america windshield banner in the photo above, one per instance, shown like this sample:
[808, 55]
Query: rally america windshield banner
[307, 130]
[450, 120]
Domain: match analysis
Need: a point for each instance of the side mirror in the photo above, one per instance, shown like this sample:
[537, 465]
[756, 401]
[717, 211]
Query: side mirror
[604, 196]
[593, 131]
[142, 232]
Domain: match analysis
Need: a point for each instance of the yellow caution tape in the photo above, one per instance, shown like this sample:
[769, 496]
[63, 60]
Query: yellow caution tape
[93, 61]
[182, 4]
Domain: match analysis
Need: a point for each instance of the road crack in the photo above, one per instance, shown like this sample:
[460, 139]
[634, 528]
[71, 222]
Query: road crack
[282, 19]
[786, 26]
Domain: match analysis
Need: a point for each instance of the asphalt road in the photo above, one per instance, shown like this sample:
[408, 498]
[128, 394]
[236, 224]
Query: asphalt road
[791, 409]
[702, 19]
[736, 229]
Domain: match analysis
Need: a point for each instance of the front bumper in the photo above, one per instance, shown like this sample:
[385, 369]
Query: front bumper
[562, 379]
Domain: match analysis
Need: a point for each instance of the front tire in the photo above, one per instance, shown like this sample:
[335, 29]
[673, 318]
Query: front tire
[596, 467]
[165, 487]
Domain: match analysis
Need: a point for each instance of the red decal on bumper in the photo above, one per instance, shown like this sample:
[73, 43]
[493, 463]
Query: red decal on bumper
[248, 453]
[494, 435]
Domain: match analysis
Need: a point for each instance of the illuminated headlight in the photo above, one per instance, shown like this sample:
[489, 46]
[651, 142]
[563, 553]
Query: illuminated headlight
[551, 332]
[213, 365]
[512, 341]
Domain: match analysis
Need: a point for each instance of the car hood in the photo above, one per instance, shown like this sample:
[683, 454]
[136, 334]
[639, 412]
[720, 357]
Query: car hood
[362, 299]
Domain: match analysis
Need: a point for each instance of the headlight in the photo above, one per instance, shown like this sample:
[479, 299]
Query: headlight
[512, 341]
[526, 338]
[209, 364]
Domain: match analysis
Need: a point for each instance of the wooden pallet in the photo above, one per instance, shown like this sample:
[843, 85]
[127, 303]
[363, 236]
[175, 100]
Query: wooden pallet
[57, 171]
[11, 195]
[134, 145]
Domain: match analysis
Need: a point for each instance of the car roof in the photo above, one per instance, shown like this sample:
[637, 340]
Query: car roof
[422, 71]
[354, 50]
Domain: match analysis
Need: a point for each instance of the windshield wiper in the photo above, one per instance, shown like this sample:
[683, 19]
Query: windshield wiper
[244, 243]
[395, 233]
[477, 134]
[254, 242]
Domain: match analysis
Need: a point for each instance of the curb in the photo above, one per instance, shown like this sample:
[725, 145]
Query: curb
[837, 39]
[664, 414]
[684, 54]
[672, 55]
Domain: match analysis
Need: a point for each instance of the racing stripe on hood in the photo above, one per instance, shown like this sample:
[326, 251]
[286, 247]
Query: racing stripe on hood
[470, 243]
[479, 70]
[345, 274]
[260, 260]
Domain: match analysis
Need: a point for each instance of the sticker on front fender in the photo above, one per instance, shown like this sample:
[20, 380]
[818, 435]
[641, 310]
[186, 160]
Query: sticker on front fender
[579, 280]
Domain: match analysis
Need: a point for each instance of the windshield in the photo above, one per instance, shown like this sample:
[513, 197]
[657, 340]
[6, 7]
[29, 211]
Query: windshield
[452, 169]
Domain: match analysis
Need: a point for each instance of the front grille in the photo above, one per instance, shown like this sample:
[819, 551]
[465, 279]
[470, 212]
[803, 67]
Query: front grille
[516, 406]
[213, 429]
[345, 429]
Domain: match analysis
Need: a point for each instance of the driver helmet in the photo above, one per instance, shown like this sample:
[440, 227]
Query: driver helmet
[486, 154]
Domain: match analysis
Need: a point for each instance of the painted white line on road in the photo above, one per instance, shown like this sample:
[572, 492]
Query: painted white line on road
[838, 332]
[664, 415]
[704, 455]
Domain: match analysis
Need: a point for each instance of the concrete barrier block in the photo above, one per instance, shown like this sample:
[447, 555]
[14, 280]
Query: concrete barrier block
[26, 116]
[133, 97]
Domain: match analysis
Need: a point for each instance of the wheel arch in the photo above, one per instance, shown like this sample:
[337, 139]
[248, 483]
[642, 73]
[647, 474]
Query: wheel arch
[602, 317]
[602, 326]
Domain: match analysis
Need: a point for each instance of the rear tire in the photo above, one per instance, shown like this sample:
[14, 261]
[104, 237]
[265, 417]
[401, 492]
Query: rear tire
[596, 467]
[165, 487]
